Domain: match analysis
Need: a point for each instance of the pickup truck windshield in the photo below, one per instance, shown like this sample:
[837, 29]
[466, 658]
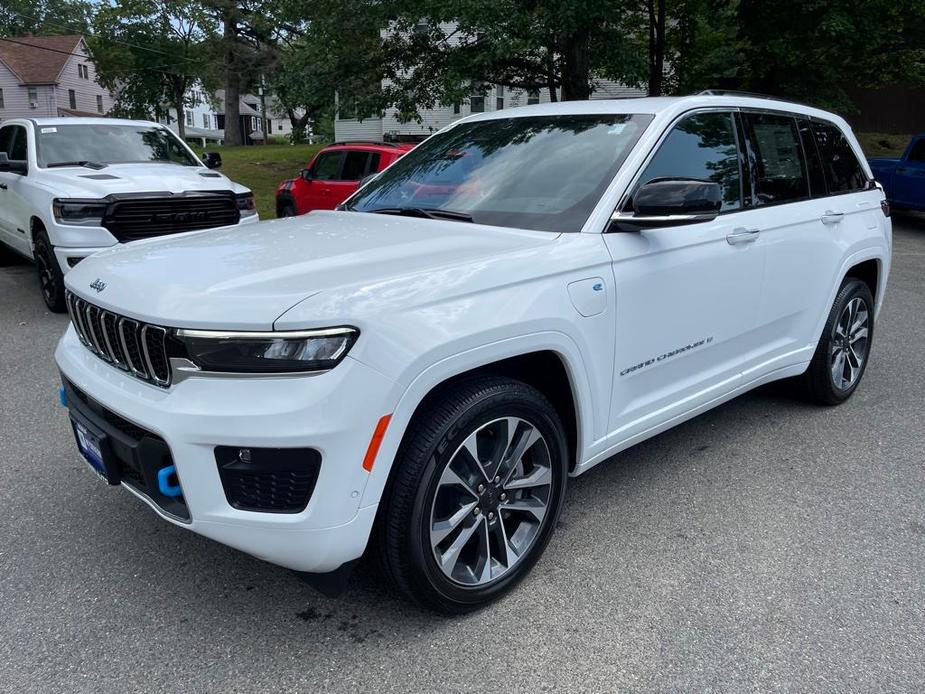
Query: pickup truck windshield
[78, 145]
[536, 172]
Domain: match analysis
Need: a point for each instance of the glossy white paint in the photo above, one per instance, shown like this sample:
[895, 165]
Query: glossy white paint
[29, 198]
[653, 327]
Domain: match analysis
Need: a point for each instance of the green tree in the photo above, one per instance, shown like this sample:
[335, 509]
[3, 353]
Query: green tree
[151, 52]
[44, 17]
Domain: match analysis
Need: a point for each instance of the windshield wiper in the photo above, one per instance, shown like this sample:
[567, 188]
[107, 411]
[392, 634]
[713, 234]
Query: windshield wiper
[89, 164]
[427, 213]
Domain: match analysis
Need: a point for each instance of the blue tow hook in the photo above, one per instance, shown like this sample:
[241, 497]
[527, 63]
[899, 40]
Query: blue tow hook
[62, 397]
[167, 489]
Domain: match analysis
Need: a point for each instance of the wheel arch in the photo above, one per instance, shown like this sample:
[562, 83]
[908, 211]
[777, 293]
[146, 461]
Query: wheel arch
[283, 199]
[555, 370]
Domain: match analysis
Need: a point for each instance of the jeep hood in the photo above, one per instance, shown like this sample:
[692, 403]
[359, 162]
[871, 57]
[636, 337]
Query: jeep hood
[83, 182]
[244, 278]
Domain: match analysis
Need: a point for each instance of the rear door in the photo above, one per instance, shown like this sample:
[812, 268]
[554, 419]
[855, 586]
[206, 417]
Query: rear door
[909, 177]
[804, 175]
[686, 296]
[355, 167]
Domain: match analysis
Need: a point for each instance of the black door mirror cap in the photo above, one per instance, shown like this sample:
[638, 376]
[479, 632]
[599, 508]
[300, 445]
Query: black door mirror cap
[14, 166]
[306, 174]
[667, 197]
[212, 160]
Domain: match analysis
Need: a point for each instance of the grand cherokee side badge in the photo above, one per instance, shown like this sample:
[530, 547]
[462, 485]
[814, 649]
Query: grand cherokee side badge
[98, 284]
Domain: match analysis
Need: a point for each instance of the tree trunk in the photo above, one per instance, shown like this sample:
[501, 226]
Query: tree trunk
[551, 72]
[181, 118]
[656, 46]
[233, 135]
[576, 73]
[299, 124]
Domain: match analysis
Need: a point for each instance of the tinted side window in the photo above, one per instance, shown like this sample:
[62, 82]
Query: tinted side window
[842, 170]
[917, 153]
[19, 143]
[778, 171]
[373, 165]
[817, 187]
[702, 146]
[354, 166]
[6, 140]
[327, 166]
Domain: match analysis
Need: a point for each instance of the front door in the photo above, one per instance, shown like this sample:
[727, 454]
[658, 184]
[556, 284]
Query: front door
[909, 177]
[686, 296]
[316, 193]
[14, 210]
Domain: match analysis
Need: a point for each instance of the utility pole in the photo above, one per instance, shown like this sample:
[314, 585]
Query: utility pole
[263, 111]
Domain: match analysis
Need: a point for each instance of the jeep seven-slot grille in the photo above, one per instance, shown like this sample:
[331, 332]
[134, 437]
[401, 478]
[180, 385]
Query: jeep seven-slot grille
[136, 347]
[142, 218]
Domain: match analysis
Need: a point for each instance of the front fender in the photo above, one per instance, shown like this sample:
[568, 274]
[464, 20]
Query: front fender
[428, 379]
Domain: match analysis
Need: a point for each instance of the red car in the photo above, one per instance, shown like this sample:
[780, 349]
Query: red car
[333, 175]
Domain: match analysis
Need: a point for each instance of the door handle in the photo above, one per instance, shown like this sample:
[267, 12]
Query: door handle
[902, 169]
[3, 186]
[830, 217]
[742, 235]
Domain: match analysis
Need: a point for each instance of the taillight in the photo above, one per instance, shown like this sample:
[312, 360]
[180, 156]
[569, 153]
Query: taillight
[885, 207]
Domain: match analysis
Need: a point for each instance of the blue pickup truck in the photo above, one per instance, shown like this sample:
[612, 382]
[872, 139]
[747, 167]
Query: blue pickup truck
[904, 178]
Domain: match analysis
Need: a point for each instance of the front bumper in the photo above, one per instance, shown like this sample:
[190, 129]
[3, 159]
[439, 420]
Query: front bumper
[334, 413]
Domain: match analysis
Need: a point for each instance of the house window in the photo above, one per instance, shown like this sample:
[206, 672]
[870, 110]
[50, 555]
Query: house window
[189, 119]
[280, 128]
[1, 98]
[205, 121]
[456, 109]
[33, 95]
[72, 98]
[99, 103]
[533, 97]
[83, 72]
[499, 98]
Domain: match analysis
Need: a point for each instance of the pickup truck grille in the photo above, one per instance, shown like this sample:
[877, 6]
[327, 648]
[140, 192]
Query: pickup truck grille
[135, 347]
[130, 219]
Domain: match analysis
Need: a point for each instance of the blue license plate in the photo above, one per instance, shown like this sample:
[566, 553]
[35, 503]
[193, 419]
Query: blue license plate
[89, 446]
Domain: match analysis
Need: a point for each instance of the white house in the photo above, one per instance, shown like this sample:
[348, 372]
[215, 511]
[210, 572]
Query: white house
[43, 76]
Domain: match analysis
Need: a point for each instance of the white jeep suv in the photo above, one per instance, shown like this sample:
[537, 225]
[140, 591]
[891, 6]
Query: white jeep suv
[522, 296]
[71, 186]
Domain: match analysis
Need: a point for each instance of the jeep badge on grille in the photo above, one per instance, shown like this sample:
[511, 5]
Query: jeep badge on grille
[98, 284]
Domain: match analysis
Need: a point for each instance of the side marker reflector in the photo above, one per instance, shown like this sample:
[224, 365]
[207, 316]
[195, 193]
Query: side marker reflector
[375, 442]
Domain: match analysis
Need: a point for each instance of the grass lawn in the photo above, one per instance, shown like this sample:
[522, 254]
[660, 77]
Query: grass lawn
[883, 144]
[261, 168]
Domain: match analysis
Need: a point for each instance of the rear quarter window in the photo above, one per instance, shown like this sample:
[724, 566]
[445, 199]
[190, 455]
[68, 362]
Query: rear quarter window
[843, 171]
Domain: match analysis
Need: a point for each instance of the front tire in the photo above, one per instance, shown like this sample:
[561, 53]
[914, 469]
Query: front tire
[51, 279]
[476, 494]
[286, 209]
[844, 349]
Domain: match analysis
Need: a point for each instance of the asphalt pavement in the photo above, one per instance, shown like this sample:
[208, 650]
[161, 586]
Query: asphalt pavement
[765, 545]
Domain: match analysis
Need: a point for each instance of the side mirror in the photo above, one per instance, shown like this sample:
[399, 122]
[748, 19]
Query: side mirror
[15, 166]
[666, 202]
[306, 174]
[212, 160]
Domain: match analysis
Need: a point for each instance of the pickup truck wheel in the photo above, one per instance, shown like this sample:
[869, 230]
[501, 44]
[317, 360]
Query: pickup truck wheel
[476, 494]
[842, 353]
[51, 279]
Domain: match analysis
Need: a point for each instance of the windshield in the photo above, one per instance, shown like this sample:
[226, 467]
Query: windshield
[74, 145]
[537, 172]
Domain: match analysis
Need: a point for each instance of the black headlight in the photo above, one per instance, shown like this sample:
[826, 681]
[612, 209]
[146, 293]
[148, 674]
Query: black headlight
[270, 352]
[79, 212]
[246, 204]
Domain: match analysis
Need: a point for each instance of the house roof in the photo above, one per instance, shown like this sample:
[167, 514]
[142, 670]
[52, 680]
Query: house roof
[37, 59]
[244, 99]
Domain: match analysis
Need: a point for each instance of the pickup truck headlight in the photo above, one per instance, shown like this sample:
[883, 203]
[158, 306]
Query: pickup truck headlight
[246, 205]
[270, 352]
[86, 213]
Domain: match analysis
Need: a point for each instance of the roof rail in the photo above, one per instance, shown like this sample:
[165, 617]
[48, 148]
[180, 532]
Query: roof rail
[736, 92]
[363, 142]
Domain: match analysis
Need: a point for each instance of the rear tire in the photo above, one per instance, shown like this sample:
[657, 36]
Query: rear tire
[51, 279]
[456, 533]
[844, 349]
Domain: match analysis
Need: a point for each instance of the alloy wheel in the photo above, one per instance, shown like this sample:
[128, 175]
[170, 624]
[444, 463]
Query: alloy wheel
[850, 342]
[490, 501]
[46, 278]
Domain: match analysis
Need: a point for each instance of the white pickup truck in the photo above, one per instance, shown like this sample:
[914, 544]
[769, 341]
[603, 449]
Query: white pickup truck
[72, 186]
